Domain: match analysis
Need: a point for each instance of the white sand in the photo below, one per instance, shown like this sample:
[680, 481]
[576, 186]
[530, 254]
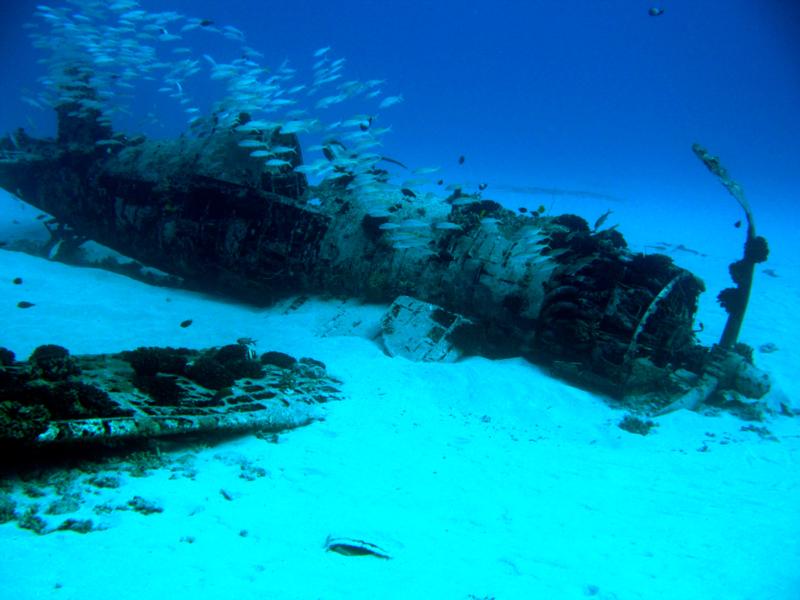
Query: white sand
[484, 479]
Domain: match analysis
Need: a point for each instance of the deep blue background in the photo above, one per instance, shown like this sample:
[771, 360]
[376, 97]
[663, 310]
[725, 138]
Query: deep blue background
[590, 94]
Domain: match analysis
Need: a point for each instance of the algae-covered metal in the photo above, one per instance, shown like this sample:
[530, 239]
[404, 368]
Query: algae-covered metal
[151, 392]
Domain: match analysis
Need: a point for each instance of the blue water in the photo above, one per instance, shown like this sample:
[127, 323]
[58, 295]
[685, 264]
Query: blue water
[587, 95]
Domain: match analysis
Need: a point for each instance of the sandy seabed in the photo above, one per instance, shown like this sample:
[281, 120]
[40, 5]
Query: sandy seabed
[482, 479]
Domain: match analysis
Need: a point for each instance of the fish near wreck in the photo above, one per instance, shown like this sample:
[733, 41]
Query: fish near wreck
[548, 287]
[545, 294]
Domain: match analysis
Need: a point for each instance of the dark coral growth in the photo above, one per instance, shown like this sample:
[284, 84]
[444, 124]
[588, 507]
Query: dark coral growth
[143, 506]
[310, 367]
[516, 303]
[76, 398]
[8, 508]
[150, 360]
[756, 249]
[32, 521]
[22, 423]
[219, 368]
[224, 388]
[44, 388]
[636, 425]
[163, 389]
[732, 300]
[278, 359]
[68, 399]
[210, 373]
[6, 357]
[237, 360]
[572, 222]
[53, 363]
[651, 268]
[612, 237]
[77, 525]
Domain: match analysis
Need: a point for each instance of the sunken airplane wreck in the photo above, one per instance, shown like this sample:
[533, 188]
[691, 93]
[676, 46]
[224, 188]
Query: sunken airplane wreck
[549, 288]
[463, 273]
